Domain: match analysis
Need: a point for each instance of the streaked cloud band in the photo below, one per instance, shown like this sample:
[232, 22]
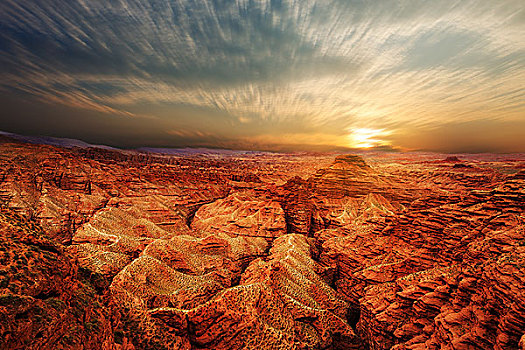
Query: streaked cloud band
[272, 68]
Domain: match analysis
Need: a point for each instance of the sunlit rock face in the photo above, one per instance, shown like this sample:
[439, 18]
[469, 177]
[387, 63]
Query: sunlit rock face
[348, 175]
[241, 214]
[129, 250]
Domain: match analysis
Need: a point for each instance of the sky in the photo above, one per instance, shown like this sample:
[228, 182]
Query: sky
[445, 76]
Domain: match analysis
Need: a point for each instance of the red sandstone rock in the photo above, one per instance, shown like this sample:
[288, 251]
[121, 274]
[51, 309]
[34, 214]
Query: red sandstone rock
[298, 206]
[44, 304]
[279, 303]
[402, 251]
[241, 214]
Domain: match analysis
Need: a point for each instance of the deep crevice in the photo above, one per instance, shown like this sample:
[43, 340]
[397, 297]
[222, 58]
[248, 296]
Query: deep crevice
[44, 296]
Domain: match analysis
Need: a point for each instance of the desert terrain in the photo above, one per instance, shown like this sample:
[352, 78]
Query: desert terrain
[122, 250]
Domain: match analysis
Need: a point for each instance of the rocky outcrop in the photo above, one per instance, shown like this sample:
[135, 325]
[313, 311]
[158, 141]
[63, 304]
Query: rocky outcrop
[182, 272]
[462, 306]
[44, 301]
[241, 214]
[279, 303]
[428, 279]
[317, 312]
[297, 205]
[348, 175]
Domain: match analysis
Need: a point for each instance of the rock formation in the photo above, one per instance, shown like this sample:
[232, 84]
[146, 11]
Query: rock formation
[130, 250]
[45, 303]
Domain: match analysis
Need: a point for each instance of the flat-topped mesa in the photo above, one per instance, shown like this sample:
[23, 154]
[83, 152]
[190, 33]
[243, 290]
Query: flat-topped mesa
[347, 175]
[347, 167]
[335, 189]
[350, 159]
[452, 159]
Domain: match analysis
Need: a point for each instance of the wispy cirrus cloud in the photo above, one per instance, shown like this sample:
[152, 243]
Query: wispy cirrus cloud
[272, 70]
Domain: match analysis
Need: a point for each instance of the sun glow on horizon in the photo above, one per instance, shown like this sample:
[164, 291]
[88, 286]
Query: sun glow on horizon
[367, 137]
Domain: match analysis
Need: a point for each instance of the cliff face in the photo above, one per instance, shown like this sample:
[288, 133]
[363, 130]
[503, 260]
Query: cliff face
[127, 250]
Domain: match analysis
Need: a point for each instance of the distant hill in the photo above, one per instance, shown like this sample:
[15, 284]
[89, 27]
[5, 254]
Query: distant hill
[53, 141]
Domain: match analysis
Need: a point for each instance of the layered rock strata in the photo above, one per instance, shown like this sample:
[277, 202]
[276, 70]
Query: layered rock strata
[236, 250]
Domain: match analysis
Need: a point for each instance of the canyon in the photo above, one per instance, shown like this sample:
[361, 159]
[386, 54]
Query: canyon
[115, 249]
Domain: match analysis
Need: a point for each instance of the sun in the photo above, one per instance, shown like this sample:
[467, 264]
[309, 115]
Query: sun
[367, 137]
